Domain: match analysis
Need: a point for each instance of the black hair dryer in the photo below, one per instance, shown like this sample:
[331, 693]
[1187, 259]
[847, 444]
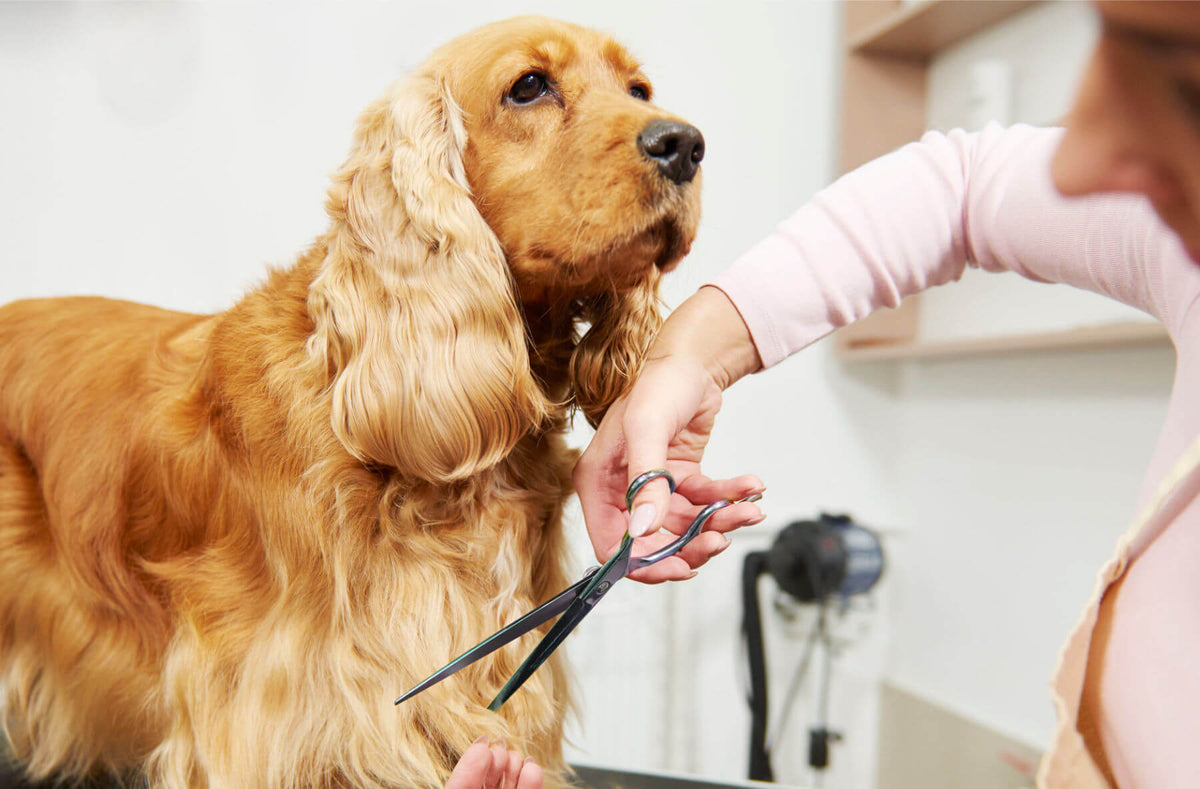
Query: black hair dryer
[830, 558]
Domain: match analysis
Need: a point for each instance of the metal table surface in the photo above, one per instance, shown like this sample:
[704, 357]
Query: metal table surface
[596, 777]
[590, 777]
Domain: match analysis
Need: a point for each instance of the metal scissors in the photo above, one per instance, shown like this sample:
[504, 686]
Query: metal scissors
[576, 601]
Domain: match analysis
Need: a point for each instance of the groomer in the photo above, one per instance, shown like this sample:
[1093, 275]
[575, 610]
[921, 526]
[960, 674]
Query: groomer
[1110, 204]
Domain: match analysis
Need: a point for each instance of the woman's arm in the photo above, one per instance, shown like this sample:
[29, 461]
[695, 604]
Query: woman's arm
[917, 217]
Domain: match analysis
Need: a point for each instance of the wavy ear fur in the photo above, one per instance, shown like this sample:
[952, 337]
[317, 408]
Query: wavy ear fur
[609, 356]
[413, 304]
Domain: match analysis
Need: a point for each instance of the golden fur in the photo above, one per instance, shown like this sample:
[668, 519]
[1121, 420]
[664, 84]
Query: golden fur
[228, 541]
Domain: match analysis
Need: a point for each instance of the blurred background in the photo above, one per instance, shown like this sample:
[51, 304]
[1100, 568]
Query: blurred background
[993, 439]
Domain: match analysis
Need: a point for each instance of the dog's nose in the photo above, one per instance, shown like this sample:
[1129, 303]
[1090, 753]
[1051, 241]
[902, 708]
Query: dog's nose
[675, 147]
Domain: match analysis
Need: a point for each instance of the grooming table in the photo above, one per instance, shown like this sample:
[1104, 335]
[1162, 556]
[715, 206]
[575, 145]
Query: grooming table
[590, 777]
[593, 777]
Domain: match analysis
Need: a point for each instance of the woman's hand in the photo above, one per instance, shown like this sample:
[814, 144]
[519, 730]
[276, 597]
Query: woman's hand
[665, 422]
[494, 767]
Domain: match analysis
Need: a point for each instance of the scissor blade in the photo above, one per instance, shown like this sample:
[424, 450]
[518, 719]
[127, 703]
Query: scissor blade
[598, 585]
[535, 618]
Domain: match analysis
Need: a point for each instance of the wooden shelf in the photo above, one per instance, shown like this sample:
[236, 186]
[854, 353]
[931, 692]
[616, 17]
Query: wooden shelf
[887, 49]
[1116, 335]
[920, 30]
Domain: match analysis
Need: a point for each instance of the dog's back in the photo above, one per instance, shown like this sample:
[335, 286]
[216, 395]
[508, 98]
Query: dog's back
[76, 377]
[82, 359]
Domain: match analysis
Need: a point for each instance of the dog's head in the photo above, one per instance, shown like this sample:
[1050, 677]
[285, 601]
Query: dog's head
[586, 183]
[520, 178]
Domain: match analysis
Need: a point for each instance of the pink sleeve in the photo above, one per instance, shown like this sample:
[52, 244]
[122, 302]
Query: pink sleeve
[917, 217]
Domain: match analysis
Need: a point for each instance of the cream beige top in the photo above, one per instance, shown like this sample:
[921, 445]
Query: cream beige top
[917, 218]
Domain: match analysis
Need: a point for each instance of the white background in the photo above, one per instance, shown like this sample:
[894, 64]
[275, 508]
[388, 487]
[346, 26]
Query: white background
[168, 153]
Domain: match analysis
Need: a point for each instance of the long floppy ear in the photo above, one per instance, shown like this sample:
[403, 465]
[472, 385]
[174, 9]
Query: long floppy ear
[413, 304]
[609, 356]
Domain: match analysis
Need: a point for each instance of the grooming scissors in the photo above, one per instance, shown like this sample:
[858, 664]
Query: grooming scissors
[576, 601]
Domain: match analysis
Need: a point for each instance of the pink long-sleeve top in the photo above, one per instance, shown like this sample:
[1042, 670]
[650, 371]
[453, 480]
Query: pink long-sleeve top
[1128, 683]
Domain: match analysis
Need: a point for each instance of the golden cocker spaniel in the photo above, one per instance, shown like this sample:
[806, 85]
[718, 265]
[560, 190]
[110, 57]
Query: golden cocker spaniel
[228, 540]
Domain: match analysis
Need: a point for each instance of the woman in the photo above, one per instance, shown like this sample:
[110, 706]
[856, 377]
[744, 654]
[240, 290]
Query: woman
[1028, 200]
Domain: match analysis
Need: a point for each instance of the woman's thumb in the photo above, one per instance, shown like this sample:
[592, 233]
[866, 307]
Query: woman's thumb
[653, 498]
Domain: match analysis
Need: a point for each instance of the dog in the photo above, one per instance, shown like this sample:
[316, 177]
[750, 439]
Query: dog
[229, 540]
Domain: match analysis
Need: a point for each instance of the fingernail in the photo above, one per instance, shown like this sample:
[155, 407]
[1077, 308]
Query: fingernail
[639, 522]
[528, 760]
[481, 739]
[757, 520]
[693, 574]
[728, 542]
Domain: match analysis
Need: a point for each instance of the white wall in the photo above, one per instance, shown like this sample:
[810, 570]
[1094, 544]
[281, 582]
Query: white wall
[168, 152]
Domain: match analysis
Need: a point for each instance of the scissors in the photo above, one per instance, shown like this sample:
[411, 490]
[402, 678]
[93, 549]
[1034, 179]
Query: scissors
[576, 601]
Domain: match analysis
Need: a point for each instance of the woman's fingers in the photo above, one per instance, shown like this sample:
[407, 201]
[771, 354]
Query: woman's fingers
[699, 489]
[531, 775]
[512, 772]
[726, 519]
[709, 543]
[735, 516]
[473, 767]
[494, 766]
[495, 777]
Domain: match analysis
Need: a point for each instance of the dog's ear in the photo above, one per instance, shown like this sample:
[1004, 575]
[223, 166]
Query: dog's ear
[609, 356]
[413, 305]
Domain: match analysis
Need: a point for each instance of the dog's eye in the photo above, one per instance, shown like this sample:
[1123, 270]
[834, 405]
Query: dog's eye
[640, 92]
[528, 88]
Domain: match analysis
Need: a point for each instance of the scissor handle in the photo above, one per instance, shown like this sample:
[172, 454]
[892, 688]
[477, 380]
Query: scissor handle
[696, 526]
[641, 480]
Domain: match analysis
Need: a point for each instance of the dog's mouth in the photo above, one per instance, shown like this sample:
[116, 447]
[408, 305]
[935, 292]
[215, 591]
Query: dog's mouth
[674, 244]
[619, 266]
[611, 255]
[660, 246]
